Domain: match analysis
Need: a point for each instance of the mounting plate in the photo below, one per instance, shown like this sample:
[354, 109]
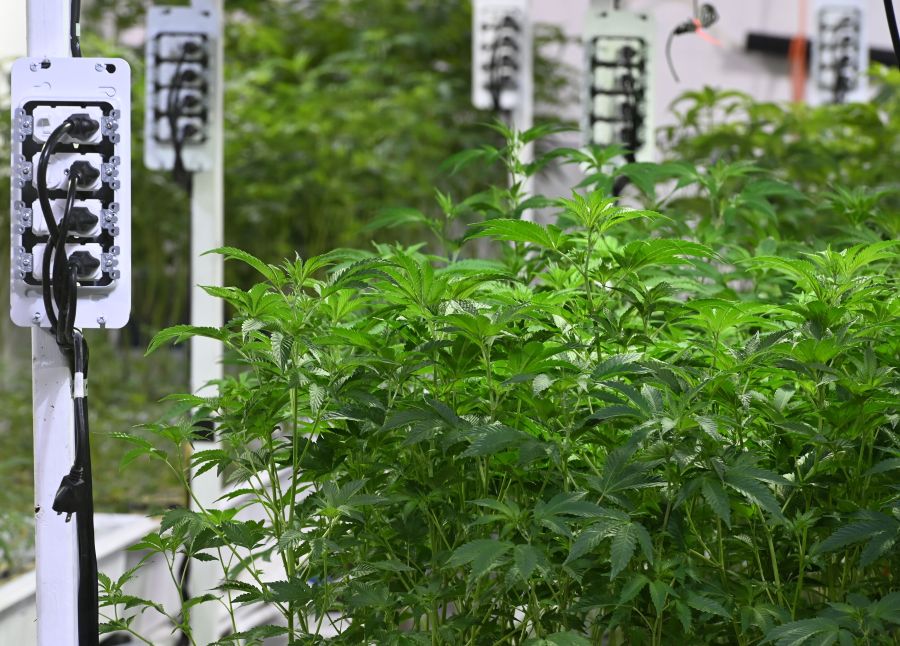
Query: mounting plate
[502, 35]
[839, 52]
[44, 93]
[618, 92]
[168, 30]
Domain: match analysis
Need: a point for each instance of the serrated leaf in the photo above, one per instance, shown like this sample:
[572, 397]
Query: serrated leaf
[798, 633]
[782, 397]
[659, 592]
[541, 383]
[567, 638]
[548, 236]
[622, 549]
[717, 499]
[231, 253]
[179, 333]
[525, 558]
[631, 589]
[493, 440]
[591, 536]
[483, 554]
[316, 397]
[705, 604]
[887, 608]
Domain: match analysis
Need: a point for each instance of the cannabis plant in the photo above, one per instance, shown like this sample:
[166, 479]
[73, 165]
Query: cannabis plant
[643, 424]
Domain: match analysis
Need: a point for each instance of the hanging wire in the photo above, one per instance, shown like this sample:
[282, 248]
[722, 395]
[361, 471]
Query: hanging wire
[59, 284]
[75, 28]
[669, 60]
[892, 26]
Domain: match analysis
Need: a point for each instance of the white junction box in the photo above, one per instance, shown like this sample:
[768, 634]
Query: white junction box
[839, 58]
[502, 42]
[618, 89]
[45, 94]
[179, 56]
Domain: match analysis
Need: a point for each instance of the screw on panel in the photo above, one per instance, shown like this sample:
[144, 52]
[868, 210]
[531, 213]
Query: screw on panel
[33, 67]
[101, 321]
[99, 67]
[36, 319]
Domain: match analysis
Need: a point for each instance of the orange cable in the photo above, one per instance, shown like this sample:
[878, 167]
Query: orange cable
[797, 56]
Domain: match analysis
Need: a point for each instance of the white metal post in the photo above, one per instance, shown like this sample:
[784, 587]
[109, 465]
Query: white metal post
[207, 232]
[522, 118]
[56, 544]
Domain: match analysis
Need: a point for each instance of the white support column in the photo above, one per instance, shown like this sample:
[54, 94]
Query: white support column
[522, 117]
[56, 545]
[208, 232]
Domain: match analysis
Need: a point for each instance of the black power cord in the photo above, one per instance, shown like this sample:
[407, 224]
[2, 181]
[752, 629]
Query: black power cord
[892, 26]
[59, 283]
[503, 66]
[75, 28]
[704, 16]
[174, 109]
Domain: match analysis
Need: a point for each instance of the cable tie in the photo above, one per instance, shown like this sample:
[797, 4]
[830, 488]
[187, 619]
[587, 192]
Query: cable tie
[79, 386]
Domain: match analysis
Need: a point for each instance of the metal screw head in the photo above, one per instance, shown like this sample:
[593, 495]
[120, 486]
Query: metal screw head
[36, 319]
[33, 67]
[101, 321]
[99, 67]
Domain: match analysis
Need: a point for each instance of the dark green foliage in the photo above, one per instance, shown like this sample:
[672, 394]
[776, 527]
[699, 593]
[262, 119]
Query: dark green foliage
[645, 426]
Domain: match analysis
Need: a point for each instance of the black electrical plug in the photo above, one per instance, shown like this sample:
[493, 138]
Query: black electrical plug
[188, 76]
[82, 127]
[510, 42]
[84, 172]
[81, 220]
[509, 22]
[626, 54]
[190, 101]
[84, 264]
[191, 48]
[72, 495]
[188, 131]
[707, 17]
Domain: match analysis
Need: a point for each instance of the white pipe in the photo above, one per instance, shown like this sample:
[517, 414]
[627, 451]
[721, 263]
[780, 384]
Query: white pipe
[56, 544]
[48, 28]
[207, 232]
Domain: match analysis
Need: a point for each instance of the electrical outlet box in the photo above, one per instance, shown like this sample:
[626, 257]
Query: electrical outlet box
[45, 92]
[618, 89]
[180, 45]
[839, 57]
[502, 57]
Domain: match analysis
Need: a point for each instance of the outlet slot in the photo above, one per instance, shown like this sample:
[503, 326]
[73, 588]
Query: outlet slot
[59, 167]
[94, 207]
[86, 280]
[48, 118]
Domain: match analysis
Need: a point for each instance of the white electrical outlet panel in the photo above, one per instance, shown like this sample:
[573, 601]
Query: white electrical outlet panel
[839, 58]
[45, 93]
[179, 53]
[618, 92]
[501, 53]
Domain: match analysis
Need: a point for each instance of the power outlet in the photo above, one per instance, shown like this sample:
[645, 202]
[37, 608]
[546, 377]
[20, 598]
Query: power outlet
[502, 55]
[618, 92]
[180, 51]
[840, 52]
[45, 93]
[60, 167]
[88, 223]
[47, 118]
